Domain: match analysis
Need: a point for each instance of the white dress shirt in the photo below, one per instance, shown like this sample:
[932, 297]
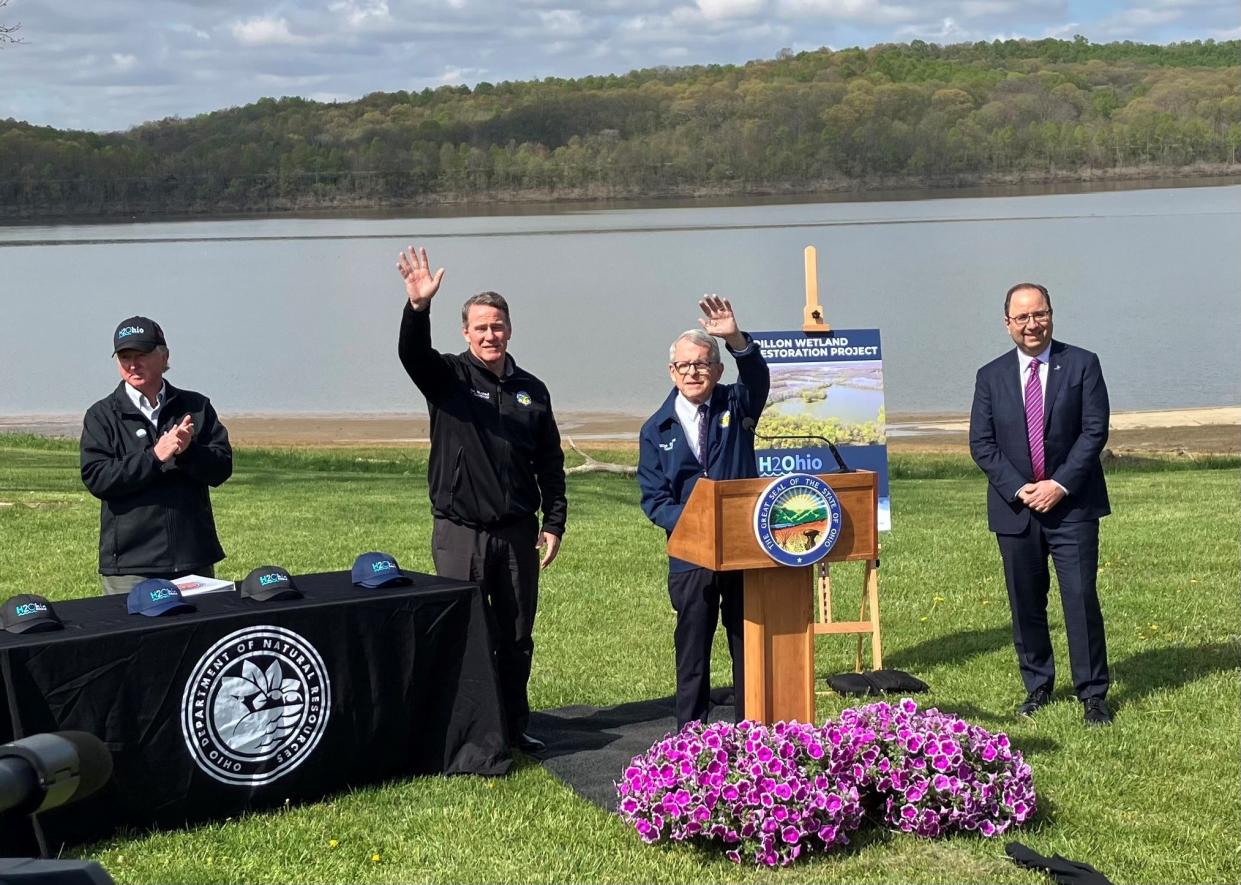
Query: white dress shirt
[687, 414]
[1023, 366]
[146, 408]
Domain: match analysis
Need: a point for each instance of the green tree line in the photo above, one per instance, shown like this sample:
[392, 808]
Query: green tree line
[915, 113]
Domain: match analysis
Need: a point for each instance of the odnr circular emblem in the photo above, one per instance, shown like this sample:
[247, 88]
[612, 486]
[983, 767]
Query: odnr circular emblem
[255, 705]
[797, 519]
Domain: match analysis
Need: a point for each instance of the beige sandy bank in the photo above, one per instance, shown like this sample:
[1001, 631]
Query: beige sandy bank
[1201, 430]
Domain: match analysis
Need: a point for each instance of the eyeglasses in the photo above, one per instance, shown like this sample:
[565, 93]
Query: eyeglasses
[1039, 316]
[699, 368]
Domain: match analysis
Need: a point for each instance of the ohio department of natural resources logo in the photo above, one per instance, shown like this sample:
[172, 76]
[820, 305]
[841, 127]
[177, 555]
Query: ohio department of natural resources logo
[797, 519]
[255, 705]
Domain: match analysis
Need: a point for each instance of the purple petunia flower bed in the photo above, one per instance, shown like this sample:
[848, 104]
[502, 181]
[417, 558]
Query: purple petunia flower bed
[772, 794]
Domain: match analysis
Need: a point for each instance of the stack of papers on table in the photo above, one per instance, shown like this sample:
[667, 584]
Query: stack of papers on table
[192, 585]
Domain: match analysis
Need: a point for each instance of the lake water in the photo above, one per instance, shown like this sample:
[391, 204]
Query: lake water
[301, 315]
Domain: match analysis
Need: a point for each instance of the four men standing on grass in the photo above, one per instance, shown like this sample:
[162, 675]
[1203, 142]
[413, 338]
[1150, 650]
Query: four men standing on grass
[1037, 428]
[1038, 424]
[495, 463]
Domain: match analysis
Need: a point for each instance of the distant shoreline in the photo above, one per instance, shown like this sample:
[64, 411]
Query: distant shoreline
[1214, 430]
[585, 198]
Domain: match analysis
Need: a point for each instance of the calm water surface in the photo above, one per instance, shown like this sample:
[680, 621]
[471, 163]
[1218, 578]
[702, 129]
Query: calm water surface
[301, 315]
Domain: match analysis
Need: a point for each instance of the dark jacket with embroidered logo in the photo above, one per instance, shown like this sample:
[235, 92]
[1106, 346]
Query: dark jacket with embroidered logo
[495, 448]
[154, 519]
[667, 468]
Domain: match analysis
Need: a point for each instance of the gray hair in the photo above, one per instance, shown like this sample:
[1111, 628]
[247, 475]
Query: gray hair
[484, 299]
[163, 348]
[699, 337]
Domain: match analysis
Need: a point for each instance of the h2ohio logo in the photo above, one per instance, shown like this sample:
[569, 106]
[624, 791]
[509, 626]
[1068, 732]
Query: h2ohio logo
[255, 705]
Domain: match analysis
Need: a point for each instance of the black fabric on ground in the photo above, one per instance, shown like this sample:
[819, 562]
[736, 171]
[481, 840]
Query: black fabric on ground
[588, 748]
[1063, 870]
[876, 682]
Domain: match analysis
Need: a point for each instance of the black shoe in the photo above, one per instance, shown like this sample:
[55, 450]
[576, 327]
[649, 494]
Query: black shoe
[1035, 701]
[528, 743]
[1096, 712]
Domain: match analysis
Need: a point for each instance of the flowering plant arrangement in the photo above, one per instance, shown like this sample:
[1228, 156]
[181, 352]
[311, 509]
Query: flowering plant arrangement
[766, 793]
[937, 773]
[773, 794]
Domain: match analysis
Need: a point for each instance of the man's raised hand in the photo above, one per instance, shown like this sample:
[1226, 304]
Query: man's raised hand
[420, 285]
[718, 320]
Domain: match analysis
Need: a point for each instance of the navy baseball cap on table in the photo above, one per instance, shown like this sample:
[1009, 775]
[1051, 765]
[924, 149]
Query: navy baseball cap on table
[137, 333]
[27, 613]
[155, 597]
[268, 582]
[374, 569]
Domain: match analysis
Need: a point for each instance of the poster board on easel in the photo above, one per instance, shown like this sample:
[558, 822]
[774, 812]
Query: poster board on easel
[827, 387]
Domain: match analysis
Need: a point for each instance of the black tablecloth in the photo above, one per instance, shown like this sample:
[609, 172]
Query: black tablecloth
[243, 705]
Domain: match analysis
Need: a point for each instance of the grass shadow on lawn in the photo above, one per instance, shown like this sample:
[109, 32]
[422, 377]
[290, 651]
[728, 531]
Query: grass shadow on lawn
[951, 649]
[1170, 667]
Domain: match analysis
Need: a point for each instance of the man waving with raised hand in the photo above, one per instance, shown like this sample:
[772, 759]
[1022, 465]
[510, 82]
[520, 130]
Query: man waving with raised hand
[495, 463]
[704, 428]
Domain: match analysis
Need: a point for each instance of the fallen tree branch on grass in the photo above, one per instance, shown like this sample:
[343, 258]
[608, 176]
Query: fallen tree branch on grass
[594, 465]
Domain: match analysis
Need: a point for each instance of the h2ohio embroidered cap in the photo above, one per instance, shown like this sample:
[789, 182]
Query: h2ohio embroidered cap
[154, 597]
[374, 569]
[27, 613]
[137, 333]
[268, 582]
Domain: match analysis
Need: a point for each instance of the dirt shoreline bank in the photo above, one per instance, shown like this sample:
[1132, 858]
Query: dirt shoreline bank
[1202, 431]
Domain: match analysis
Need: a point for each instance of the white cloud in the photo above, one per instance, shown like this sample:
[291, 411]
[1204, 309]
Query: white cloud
[725, 9]
[456, 76]
[363, 13]
[123, 60]
[181, 28]
[562, 22]
[1146, 17]
[265, 32]
[871, 11]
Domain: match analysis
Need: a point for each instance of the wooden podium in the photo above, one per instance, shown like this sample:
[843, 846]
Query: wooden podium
[716, 531]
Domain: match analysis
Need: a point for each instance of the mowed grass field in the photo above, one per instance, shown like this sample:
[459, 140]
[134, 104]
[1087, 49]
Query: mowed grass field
[1155, 798]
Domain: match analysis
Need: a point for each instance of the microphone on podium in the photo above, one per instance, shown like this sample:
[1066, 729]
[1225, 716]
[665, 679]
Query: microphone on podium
[748, 424]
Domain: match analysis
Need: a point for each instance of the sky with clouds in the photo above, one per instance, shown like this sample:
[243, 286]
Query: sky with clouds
[111, 64]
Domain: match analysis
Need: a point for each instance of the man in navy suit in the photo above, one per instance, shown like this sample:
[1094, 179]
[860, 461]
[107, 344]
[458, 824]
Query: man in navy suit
[1037, 428]
[704, 428]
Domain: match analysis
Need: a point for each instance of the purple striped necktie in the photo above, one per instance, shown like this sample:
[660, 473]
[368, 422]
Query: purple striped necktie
[1034, 422]
[702, 434]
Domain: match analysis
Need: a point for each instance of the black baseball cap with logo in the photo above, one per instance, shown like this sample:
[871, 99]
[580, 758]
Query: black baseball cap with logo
[267, 583]
[137, 333]
[375, 569]
[27, 613]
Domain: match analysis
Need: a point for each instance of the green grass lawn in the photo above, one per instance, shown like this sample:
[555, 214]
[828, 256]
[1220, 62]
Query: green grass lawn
[1154, 798]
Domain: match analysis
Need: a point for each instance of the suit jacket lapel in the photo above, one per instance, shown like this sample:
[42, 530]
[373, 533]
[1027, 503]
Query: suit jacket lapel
[1055, 381]
[1012, 384]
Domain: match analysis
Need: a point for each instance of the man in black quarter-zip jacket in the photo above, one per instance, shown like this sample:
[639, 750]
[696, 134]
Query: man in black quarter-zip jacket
[495, 463]
[149, 453]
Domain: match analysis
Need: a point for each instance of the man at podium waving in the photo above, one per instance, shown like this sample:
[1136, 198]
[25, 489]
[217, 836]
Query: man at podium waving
[703, 428]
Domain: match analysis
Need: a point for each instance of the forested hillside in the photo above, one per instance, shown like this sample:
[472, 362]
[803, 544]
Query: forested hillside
[907, 114]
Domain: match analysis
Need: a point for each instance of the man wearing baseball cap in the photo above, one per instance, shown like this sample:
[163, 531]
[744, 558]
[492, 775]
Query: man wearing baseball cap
[150, 453]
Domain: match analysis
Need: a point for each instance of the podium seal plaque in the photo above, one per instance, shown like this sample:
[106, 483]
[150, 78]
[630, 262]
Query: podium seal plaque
[797, 519]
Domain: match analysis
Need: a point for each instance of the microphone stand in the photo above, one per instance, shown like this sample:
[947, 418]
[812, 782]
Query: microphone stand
[842, 467]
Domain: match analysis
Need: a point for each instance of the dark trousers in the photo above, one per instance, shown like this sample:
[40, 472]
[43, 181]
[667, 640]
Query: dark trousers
[700, 597]
[505, 564]
[1074, 550]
